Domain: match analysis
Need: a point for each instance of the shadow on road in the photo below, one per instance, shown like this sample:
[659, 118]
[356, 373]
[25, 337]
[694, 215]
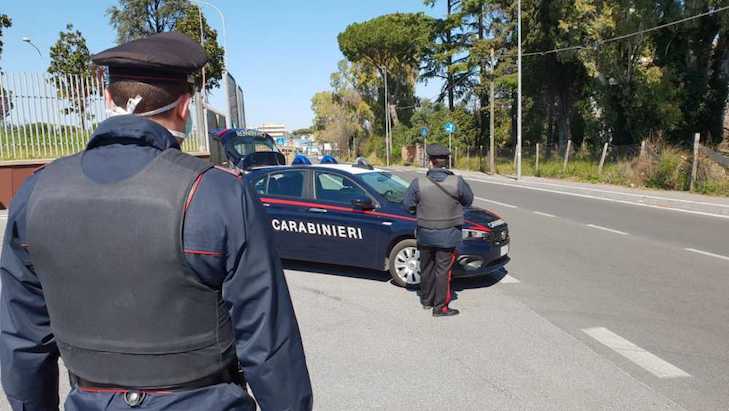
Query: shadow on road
[459, 284]
[338, 270]
[485, 281]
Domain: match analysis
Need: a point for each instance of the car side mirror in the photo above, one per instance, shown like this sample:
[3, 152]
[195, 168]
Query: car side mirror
[363, 203]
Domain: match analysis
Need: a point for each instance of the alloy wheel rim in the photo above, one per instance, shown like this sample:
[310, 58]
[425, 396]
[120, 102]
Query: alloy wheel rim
[407, 265]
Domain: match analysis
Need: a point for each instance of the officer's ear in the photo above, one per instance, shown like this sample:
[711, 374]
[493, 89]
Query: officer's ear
[183, 109]
[108, 99]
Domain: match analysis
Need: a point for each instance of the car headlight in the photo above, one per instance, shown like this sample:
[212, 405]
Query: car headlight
[469, 234]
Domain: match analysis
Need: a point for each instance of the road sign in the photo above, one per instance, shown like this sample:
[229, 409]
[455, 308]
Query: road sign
[449, 127]
[424, 132]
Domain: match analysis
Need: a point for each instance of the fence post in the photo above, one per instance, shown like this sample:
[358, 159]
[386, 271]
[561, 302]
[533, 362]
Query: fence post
[695, 165]
[536, 169]
[566, 156]
[602, 159]
[642, 150]
[480, 158]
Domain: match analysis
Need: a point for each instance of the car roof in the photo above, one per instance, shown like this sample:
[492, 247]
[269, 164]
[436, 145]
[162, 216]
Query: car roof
[348, 168]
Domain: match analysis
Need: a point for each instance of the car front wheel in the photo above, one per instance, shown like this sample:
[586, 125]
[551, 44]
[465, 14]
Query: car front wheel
[404, 263]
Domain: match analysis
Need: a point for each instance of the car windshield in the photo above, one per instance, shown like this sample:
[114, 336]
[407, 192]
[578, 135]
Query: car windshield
[254, 146]
[390, 186]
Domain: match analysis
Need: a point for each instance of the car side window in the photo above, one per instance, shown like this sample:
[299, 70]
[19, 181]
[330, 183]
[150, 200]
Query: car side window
[336, 188]
[261, 184]
[284, 183]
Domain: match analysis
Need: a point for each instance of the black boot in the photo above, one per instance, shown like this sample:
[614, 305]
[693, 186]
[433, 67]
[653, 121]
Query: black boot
[445, 312]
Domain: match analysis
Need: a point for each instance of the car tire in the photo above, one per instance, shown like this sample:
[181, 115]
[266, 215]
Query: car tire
[402, 251]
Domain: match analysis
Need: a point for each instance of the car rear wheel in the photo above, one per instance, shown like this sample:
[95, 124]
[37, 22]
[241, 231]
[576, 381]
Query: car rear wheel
[404, 264]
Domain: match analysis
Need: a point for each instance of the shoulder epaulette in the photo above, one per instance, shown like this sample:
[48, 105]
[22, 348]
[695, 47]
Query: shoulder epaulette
[233, 172]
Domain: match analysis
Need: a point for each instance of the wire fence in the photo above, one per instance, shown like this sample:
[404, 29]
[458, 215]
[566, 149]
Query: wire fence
[44, 116]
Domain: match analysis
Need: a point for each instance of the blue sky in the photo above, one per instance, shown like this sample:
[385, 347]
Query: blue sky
[280, 51]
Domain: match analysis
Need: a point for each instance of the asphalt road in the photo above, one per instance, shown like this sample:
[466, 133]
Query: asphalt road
[603, 308]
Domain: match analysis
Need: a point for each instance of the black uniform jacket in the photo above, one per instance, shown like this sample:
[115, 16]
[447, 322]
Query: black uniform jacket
[227, 241]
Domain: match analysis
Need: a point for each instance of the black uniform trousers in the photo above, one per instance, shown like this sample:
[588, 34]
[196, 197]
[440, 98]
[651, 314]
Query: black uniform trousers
[435, 276]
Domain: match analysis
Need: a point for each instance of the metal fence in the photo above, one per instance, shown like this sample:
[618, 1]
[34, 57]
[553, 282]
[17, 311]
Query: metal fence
[45, 116]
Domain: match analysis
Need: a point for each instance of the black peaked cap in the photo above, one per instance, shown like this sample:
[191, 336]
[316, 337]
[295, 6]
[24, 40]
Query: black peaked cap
[164, 56]
[437, 150]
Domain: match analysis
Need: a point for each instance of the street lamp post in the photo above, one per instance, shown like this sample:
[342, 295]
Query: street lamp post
[228, 120]
[518, 115]
[30, 42]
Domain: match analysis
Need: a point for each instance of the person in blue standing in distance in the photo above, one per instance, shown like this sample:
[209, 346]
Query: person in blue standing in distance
[148, 271]
[438, 199]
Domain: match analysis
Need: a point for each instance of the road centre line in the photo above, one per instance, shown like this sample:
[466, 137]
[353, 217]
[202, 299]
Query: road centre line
[693, 250]
[496, 202]
[599, 227]
[644, 359]
[544, 214]
[726, 217]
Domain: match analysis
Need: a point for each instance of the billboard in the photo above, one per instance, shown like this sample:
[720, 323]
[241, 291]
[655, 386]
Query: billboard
[235, 103]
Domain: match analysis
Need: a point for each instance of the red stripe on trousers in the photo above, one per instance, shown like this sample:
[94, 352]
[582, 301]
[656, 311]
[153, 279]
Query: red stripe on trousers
[450, 275]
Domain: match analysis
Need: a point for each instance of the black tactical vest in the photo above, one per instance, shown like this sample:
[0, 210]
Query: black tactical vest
[436, 209]
[124, 306]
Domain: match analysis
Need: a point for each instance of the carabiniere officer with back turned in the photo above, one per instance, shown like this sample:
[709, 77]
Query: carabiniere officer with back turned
[148, 271]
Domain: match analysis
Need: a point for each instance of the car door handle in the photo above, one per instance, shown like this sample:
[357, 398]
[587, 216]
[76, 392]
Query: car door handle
[318, 210]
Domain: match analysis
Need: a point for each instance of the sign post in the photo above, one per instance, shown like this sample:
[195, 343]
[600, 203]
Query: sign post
[424, 133]
[450, 128]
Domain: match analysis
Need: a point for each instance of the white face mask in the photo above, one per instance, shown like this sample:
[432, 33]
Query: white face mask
[132, 104]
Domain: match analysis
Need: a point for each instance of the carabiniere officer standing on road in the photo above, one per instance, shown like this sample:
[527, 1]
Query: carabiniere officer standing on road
[439, 199]
[149, 271]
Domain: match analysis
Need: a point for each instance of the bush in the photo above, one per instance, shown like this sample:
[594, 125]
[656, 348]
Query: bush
[671, 171]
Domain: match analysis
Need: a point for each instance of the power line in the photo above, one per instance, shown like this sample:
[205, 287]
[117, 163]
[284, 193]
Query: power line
[625, 36]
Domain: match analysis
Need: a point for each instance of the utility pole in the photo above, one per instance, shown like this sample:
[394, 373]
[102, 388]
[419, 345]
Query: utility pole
[228, 119]
[204, 89]
[450, 59]
[518, 114]
[492, 137]
[387, 122]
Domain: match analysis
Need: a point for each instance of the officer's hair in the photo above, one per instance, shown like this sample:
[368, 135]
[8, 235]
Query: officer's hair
[153, 96]
[439, 161]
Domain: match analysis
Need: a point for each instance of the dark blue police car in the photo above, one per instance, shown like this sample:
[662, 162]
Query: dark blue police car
[353, 215]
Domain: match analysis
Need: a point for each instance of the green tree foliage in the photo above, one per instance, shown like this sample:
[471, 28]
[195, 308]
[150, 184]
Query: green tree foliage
[133, 19]
[70, 68]
[189, 24]
[392, 44]
[341, 116]
[588, 77]
[5, 22]
[6, 103]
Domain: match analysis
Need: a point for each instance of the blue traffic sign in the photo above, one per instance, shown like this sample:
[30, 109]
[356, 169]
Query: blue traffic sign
[424, 132]
[449, 127]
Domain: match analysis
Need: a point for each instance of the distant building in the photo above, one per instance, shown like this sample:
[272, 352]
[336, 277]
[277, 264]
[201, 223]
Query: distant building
[274, 130]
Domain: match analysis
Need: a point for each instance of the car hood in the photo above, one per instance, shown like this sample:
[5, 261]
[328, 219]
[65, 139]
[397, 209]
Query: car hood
[473, 215]
[479, 216]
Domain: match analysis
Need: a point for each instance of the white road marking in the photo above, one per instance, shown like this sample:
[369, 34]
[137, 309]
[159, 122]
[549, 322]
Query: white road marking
[496, 202]
[693, 250]
[599, 227]
[644, 359]
[681, 210]
[509, 280]
[544, 214]
[652, 197]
